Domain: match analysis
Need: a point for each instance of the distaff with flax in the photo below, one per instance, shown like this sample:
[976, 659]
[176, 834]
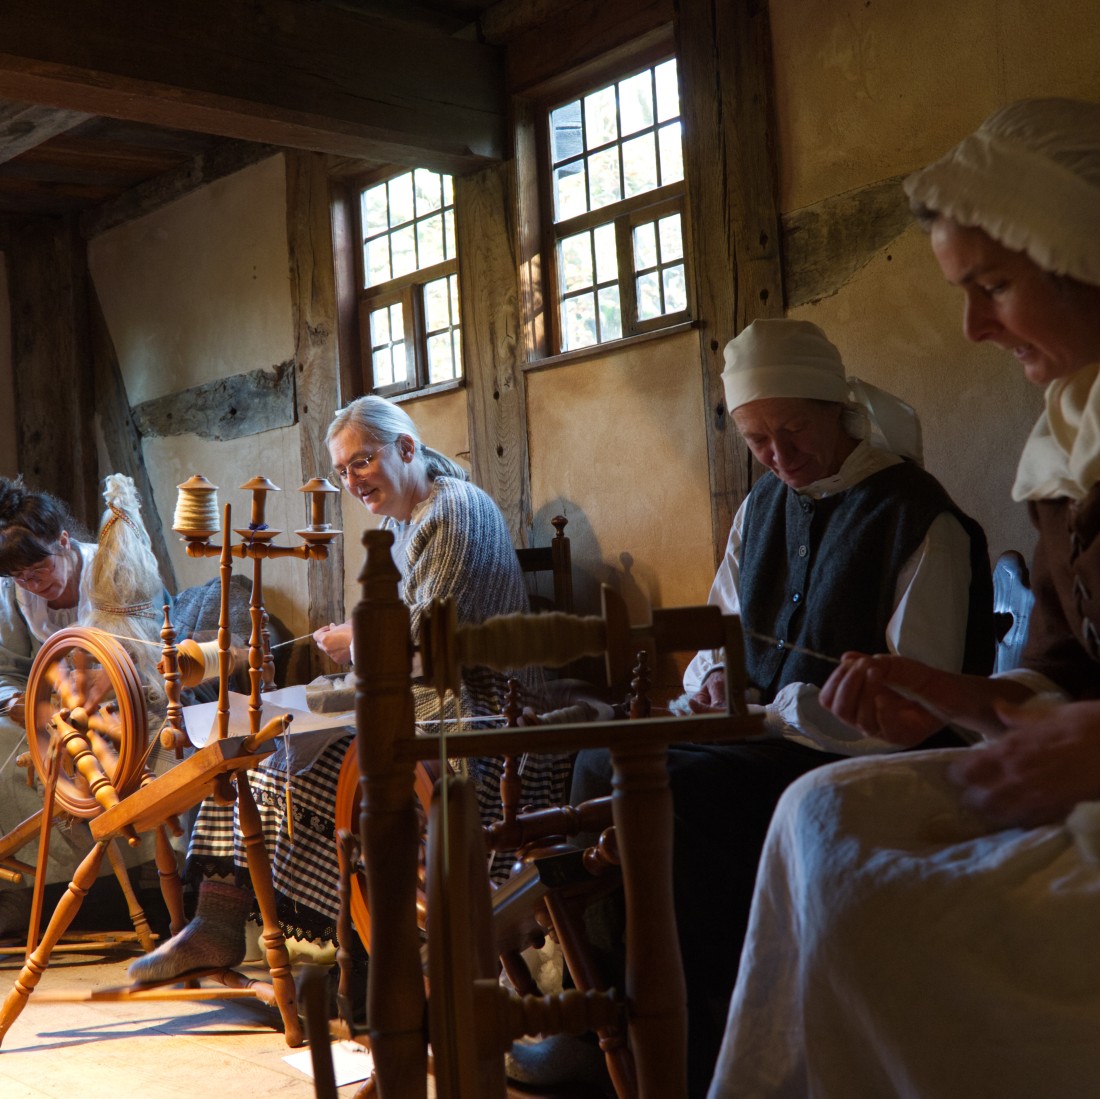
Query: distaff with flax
[846, 541]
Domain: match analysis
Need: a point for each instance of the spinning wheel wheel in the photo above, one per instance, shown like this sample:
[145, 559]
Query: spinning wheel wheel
[347, 818]
[84, 700]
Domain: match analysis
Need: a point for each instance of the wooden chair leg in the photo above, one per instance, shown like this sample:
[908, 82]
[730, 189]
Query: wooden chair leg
[259, 870]
[171, 888]
[137, 914]
[64, 914]
[569, 928]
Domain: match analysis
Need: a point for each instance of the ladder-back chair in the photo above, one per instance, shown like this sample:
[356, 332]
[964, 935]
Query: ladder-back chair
[472, 1019]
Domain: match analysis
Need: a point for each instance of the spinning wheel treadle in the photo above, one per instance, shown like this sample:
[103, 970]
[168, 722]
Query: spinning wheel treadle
[84, 687]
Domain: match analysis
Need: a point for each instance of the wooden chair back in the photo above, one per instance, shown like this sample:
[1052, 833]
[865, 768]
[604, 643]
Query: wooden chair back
[554, 559]
[388, 751]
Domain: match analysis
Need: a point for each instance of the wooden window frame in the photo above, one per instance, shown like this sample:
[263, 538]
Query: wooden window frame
[624, 214]
[408, 289]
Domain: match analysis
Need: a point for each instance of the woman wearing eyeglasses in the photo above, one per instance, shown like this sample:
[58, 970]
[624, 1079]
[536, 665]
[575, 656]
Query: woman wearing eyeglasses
[450, 541]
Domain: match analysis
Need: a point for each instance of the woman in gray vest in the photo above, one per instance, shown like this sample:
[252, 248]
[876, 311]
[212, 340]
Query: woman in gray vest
[844, 543]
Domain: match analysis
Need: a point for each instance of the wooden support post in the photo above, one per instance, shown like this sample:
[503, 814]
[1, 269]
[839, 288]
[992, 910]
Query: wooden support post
[642, 807]
[389, 826]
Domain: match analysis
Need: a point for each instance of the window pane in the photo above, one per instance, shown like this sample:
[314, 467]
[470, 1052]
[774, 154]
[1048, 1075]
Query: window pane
[611, 316]
[440, 363]
[649, 296]
[578, 322]
[452, 284]
[375, 212]
[636, 103]
[437, 312]
[428, 191]
[607, 259]
[400, 365]
[403, 243]
[565, 132]
[672, 240]
[377, 260]
[639, 165]
[603, 171]
[401, 199]
[456, 344]
[668, 94]
[575, 262]
[379, 327]
[449, 233]
[569, 191]
[382, 366]
[645, 246]
[675, 290]
[429, 238]
[672, 153]
[599, 118]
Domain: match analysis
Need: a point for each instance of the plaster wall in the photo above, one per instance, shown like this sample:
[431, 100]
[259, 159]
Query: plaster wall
[866, 91]
[200, 289]
[195, 291]
[617, 446]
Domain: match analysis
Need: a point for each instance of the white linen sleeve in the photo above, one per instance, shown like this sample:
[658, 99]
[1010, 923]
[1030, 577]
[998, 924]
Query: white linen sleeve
[725, 593]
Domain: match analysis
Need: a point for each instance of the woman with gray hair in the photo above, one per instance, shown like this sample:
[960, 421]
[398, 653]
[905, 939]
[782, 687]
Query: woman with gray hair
[450, 542]
[921, 923]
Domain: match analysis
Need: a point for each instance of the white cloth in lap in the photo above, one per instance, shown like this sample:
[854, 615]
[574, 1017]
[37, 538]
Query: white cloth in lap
[911, 949]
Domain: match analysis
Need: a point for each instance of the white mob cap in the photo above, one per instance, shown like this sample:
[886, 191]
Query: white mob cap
[790, 358]
[1030, 178]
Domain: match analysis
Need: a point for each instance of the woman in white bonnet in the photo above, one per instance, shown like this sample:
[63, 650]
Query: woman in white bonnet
[844, 543]
[923, 924]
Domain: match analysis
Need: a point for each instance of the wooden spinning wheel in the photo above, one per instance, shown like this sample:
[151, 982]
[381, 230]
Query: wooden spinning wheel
[84, 699]
[347, 818]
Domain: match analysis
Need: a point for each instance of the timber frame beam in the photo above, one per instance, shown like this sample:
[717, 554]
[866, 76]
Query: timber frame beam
[282, 72]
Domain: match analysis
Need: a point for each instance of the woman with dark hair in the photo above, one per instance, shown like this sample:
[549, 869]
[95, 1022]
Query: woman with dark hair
[51, 578]
[450, 541]
[45, 572]
[922, 924]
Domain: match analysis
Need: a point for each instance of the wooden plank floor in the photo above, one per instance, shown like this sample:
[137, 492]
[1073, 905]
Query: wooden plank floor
[208, 1049]
[154, 1050]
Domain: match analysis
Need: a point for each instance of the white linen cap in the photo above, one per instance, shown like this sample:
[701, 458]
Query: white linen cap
[779, 357]
[782, 358]
[1030, 178]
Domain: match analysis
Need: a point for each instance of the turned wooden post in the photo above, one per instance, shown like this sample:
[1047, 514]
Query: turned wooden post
[641, 804]
[389, 825]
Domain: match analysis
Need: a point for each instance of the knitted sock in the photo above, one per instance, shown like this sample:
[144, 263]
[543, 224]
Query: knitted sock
[214, 939]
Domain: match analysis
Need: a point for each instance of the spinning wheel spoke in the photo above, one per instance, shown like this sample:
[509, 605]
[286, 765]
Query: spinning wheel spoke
[64, 689]
[85, 700]
[106, 722]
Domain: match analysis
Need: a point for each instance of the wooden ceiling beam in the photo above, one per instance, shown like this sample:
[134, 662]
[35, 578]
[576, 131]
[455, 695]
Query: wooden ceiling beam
[283, 72]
